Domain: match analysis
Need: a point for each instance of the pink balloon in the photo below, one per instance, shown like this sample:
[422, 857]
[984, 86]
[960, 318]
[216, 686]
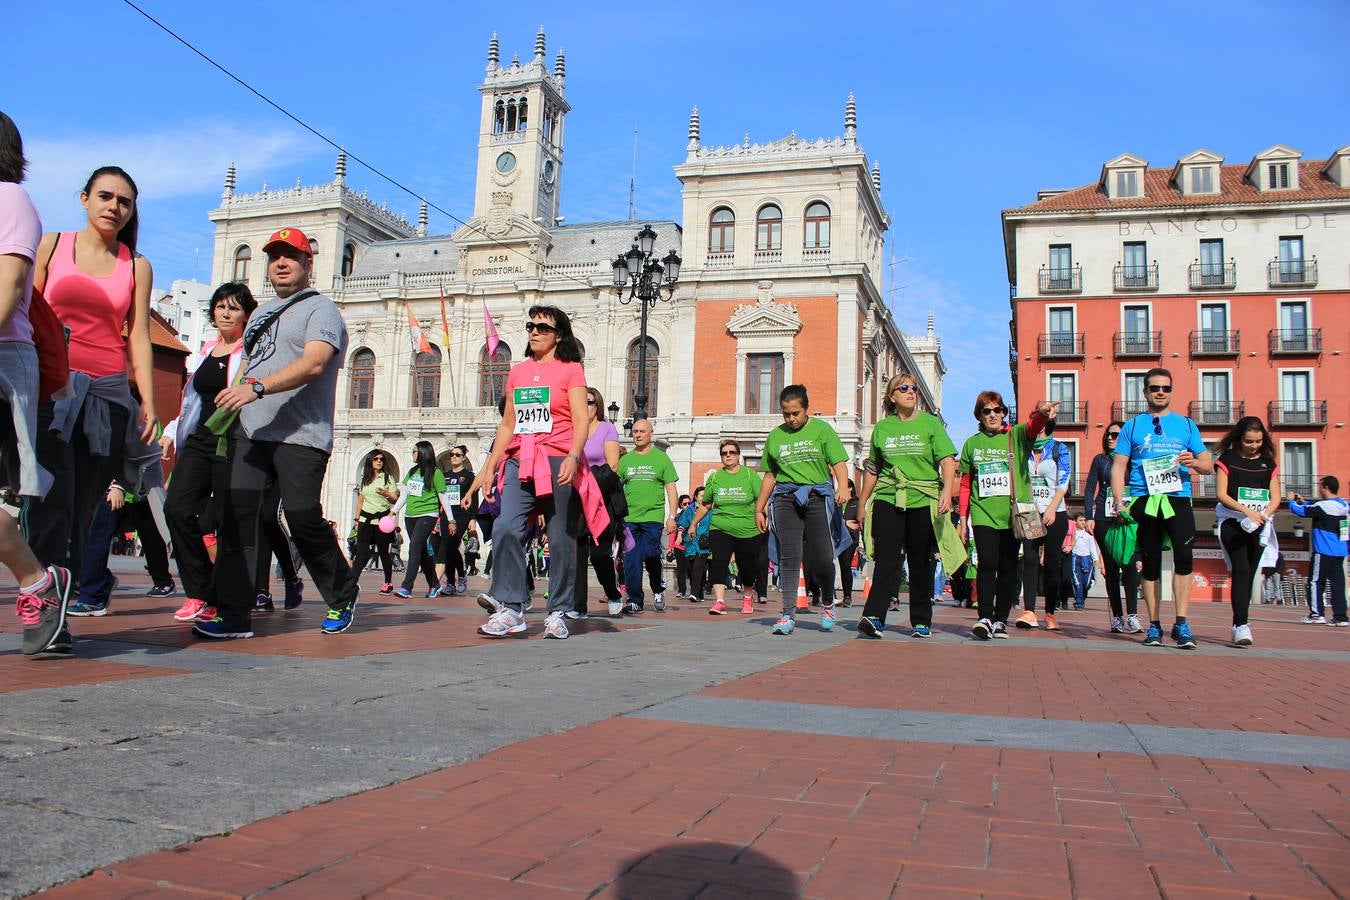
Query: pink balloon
[388, 524]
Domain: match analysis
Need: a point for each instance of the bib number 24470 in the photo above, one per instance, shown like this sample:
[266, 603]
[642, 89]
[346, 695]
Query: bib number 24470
[533, 415]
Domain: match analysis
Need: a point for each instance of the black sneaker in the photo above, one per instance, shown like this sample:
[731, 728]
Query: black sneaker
[632, 609]
[44, 616]
[162, 590]
[294, 593]
[263, 602]
[870, 626]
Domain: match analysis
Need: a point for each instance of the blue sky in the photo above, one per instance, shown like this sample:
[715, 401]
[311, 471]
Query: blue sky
[970, 108]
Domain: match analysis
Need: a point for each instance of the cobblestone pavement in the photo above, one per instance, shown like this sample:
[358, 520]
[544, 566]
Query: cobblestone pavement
[672, 755]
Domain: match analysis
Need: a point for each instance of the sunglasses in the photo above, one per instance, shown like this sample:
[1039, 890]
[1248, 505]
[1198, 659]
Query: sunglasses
[1157, 423]
[1159, 389]
[541, 327]
[1112, 435]
[731, 453]
[454, 453]
[991, 410]
[590, 402]
[906, 388]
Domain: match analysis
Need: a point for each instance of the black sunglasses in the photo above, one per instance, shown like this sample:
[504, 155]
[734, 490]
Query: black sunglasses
[1157, 423]
[1159, 388]
[990, 410]
[590, 402]
[541, 327]
[1112, 435]
[730, 452]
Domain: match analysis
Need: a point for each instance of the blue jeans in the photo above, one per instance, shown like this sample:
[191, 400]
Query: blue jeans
[1082, 577]
[646, 553]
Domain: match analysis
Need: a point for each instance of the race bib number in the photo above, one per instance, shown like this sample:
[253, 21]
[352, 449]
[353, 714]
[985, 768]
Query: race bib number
[1110, 507]
[1345, 529]
[1041, 491]
[992, 479]
[452, 494]
[1253, 498]
[1161, 475]
[415, 487]
[533, 415]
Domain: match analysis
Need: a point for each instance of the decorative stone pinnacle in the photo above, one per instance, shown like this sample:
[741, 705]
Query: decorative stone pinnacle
[693, 128]
[340, 170]
[876, 174]
[494, 52]
[230, 175]
[515, 60]
[560, 66]
[746, 142]
[930, 322]
[540, 46]
[422, 226]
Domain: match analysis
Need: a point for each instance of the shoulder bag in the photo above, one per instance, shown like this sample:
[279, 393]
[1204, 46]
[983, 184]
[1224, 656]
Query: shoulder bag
[1027, 524]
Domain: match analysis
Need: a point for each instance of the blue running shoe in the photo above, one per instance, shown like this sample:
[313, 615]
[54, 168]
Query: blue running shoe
[403, 592]
[827, 618]
[784, 625]
[339, 620]
[1181, 633]
[219, 629]
[871, 626]
[263, 602]
[921, 631]
[1154, 636]
[434, 592]
[87, 608]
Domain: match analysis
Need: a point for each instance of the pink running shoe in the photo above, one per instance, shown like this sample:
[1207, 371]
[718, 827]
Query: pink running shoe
[719, 608]
[747, 605]
[190, 610]
[207, 614]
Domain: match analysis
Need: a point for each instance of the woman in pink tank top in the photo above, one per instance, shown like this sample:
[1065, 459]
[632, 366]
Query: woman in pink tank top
[97, 285]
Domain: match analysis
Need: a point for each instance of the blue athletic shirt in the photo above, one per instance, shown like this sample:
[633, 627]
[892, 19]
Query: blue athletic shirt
[1139, 440]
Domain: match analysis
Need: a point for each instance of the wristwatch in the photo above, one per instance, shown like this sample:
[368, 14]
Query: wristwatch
[258, 389]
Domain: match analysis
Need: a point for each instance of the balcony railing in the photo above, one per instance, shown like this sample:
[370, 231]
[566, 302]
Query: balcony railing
[1062, 281]
[1213, 276]
[721, 259]
[815, 254]
[1296, 413]
[1292, 272]
[1128, 409]
[1061, 345]
[1217, 412]
[1295, 341]
[1211, 342]
[1303, 485]
[1071, 413]
[1135, 278]
[1138, 343]
[1204, 487]
[768, 257]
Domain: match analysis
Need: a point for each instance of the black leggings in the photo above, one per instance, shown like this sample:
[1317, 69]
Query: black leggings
[1244, 553]
[1115, 574]
[996, 580]
[368, 533]
[846, 569]
[419, 529]
[601, 558]
[451, 553]
[748, 558]
[1034, 571]
[1180, 528]
[897, 535]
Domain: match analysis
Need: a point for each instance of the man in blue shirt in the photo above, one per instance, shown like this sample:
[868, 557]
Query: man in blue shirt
[1154, 457]
[1330, 523]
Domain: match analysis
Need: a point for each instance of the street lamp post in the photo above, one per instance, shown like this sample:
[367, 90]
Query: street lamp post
[639, 277]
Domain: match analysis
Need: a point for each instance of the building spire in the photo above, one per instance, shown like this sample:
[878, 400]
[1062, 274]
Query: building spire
[930, 323]
[850, 119]
[693, 129]
[876, 175]
[340, 170]
[230, 180]
[422, 232]
[494, 53]
[560, 66]
[540, 46]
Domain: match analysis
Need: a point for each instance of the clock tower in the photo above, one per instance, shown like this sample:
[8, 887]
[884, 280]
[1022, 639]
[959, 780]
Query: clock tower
[520, 141]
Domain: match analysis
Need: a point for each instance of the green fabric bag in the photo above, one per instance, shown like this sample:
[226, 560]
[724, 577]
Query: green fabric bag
[1121, 537]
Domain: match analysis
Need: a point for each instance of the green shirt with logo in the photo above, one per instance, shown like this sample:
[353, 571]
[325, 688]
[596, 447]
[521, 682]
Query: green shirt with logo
[985, 458]
[732, 496]
[644, 477]
[422, 499]
[803, 456]
[909, 450]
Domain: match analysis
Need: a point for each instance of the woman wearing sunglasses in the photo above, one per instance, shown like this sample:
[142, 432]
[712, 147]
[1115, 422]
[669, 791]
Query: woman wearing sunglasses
[910, 477]
[602, 451]
[457, 480]
[541, 436]
[729, 496]
[990, 462]
[1100, 510]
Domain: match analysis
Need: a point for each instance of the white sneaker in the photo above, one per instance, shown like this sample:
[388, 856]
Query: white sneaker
[490, 603]
[616, 608]
[576, 614]
[1311, 619]
[1133, 625]
[508, 621]
[1242, 635]
[1117, 625]
[555, 627]
[659, 604]
[983, 630]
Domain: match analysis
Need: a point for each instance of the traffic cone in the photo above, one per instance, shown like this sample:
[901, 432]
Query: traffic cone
[803, 601]
[867, 588]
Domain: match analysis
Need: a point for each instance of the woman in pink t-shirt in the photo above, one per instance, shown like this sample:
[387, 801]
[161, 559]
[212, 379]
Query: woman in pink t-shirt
[541, 435]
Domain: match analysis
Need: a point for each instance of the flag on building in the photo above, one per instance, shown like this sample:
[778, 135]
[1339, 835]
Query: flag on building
[491, 329]
[445, 324]
[419, 340]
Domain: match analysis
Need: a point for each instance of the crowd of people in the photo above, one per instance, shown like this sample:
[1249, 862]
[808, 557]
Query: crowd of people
[558, 495]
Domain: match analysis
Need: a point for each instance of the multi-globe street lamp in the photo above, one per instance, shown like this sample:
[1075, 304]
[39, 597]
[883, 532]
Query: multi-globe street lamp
[644, 280]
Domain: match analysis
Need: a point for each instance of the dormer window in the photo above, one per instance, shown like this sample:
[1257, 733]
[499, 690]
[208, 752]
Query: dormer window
[1123, 177]
[1275, 169]
[1127, 184]
[1277, 176]
[1202, 180]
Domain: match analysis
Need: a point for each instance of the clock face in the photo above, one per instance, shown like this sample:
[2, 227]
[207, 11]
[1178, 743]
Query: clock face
[549, 172]
[506, 162]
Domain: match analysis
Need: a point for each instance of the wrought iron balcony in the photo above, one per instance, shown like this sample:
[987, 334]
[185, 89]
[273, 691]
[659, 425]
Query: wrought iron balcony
[1204, 487]
[1128, 409]
[1217, 412]
[1135, 278]
[1295, 342]
[1311, 413]
[1291, 272]
[1062, 281]
[1213, 276]
[1071, 414]
[1212, 342]
[1061, 345]
[1138, 343]
[1303, 485]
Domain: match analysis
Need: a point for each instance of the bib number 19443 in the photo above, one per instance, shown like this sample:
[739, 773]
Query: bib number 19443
[992, 479]
[533, 415]
[1161, 475]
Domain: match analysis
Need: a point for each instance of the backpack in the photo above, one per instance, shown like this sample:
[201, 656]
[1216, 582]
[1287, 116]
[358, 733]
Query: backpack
[51, 338]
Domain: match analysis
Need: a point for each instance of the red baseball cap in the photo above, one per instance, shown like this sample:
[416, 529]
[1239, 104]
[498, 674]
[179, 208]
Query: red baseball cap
[293, 237]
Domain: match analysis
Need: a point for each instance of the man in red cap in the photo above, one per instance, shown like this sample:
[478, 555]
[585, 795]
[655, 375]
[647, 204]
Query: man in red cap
[294, 345]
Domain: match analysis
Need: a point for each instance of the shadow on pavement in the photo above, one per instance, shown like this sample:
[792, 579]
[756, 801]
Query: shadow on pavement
[691, 868]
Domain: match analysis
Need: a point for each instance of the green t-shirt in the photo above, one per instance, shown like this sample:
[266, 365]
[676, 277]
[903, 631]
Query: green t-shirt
[372, 501]
[732, 496]
[910, 448]
[644, 477]
[985, 458]
[422, 501]
[803, 456]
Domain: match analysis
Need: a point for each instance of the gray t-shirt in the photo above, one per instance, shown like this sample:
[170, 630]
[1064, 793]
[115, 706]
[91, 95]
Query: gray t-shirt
[302, 416]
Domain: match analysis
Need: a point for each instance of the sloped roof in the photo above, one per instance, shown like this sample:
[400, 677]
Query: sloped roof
[162, 335]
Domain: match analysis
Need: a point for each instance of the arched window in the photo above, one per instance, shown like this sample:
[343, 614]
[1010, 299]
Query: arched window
[521, 116]
[241, 258]
[499, 118]
[769, 228]
[492, 374]
[348, 259]
[634, 367]
[313, 247]
[722, 231]
[426, 378]
[510, 115]
[817, 226]
[362, 392]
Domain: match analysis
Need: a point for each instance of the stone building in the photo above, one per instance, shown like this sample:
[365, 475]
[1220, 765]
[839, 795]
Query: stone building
[781, 282]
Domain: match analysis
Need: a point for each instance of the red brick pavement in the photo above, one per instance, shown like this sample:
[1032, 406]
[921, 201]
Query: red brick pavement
[20, 674]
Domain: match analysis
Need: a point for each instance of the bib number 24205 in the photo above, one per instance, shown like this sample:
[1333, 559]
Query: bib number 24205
[1161, 475]
[533, 415]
